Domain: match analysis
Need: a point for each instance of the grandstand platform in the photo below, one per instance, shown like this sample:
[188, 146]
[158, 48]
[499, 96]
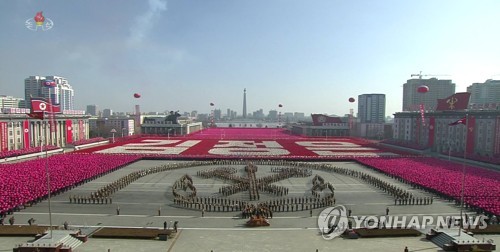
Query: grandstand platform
[54, 241]
[459, 240]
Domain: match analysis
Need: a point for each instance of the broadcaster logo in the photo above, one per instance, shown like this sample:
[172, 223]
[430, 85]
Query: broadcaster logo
[332, 222]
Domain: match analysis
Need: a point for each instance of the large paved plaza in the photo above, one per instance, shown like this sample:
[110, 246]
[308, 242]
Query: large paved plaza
[140, 202]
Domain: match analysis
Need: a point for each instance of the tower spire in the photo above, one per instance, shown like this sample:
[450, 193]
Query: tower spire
[245, 103]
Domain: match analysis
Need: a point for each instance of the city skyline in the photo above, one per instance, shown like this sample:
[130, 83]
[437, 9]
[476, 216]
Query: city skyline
[184, 55]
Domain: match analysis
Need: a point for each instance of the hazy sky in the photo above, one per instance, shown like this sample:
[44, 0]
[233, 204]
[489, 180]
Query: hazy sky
[308, 55]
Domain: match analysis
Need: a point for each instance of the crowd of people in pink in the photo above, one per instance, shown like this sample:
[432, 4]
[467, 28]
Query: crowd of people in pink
[481, 187]
[31, 150]
[26, 182]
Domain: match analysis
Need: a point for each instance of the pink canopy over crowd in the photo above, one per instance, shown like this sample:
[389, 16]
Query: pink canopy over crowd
[25, 182]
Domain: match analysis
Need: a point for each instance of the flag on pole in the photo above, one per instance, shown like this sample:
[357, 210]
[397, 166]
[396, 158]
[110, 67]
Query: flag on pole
[41, 105]
[462, 120]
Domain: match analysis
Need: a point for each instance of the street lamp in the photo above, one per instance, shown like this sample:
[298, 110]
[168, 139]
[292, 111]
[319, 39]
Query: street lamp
[123, 129]
[113, 131]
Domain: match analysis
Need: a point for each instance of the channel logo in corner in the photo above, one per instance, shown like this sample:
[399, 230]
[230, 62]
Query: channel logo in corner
[39, 22]
[332, 222]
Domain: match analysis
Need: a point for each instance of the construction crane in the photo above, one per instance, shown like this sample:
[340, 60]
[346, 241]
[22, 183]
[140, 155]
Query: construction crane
[420, 75]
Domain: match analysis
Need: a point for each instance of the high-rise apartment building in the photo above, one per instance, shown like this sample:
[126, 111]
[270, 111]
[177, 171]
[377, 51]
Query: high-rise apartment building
[91, 110]
[62, 93]
[438, 89]
[371, 108]
[483, 93]
[107, 112]
[217, 114]
[194, 113]
[273, 115]
[259, 114]
[299, 116]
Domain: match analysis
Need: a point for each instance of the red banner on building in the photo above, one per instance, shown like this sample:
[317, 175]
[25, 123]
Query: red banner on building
[81, 132]
[458, 101]
[471, 125]
[324, 120]
[69, 131]
[4, 137]
[26, 134]
[422, 114]
[432, 122]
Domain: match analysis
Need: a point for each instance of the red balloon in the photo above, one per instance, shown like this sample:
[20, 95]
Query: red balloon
[136, 95]
[211, 104]
[280, 105]
[352, 99]
[423, 89]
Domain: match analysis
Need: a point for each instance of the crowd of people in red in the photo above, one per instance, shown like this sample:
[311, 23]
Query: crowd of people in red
[31, 150]
[481, 187]
[25, 183]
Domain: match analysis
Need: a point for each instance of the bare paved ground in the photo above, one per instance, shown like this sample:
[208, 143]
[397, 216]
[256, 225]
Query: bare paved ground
[223, 231]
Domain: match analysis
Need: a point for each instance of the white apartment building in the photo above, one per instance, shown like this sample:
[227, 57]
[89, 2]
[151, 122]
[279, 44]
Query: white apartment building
[62, 93]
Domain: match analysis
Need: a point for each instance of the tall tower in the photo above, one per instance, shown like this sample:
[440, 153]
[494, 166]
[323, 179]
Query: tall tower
[245, 103]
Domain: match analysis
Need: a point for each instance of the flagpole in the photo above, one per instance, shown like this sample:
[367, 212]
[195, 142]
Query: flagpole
[47, 169]
[463, 175]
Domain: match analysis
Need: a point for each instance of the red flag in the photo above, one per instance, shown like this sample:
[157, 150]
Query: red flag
[458, 101]
[39, 105]
[462, 120]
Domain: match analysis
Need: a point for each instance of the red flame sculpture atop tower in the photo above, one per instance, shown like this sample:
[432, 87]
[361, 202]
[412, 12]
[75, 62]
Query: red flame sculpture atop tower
[39, 18]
